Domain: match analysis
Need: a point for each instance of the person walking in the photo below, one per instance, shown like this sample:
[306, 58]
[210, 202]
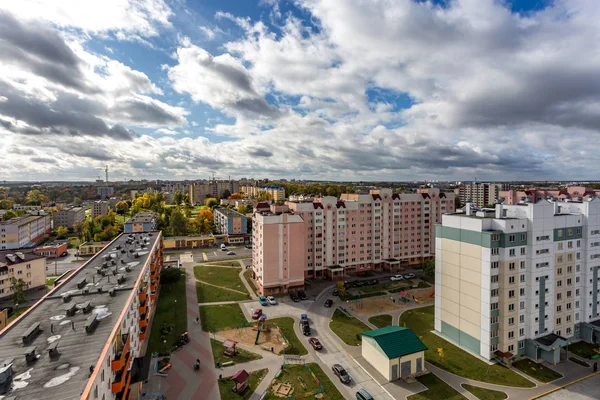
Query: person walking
[596, 366]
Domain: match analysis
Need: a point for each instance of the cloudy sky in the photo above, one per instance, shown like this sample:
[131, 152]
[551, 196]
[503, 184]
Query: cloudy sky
[308, 89]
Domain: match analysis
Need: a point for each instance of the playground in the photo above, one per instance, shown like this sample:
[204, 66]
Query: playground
[392, 302]
[264, 335]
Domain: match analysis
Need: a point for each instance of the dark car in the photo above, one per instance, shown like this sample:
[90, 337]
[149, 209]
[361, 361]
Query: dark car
[374, 281]
[306, 329]
[314, 342]
[64, 254]
[336, 292]
[341, 373]
[294, 297]
[302, 295]
[328, 303]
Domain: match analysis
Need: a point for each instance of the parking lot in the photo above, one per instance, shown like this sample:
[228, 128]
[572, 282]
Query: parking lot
[212, 254]
[285, 307]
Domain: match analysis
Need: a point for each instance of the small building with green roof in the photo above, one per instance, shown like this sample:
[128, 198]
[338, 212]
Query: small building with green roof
[394, 351]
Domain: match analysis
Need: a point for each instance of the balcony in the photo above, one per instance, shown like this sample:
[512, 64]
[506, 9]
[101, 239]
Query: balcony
[143, 322]
[142, 296]
[120, 383]
[143, 333]
[143, 308]
[122, 355]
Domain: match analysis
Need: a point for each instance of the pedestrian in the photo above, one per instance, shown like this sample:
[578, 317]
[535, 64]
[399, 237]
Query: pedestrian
[218, 364]
[394, 300]
[272, 350]
[197, 320]
[596, 366]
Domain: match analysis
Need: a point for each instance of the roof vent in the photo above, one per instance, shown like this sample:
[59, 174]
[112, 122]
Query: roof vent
[11, 257]
[66, 297]
[112, 292]
[20, 255]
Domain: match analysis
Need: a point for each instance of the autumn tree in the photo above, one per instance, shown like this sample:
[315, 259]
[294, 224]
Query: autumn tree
[6, 204]
[178, 223]
[122, 207]
[35, 197]
[178, 197]
[61, 232]
[10, 214]
[263, 195]
[205, 221]
[210, 202]
[226, 194]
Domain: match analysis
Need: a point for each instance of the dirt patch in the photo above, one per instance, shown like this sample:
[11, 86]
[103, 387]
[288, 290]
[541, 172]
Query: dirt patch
[380, 304]
[270, 339]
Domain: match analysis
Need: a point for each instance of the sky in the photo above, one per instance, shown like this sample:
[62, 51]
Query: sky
[307, 89]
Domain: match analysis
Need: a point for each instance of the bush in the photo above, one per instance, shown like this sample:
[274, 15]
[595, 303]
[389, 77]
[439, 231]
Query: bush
[170, 275]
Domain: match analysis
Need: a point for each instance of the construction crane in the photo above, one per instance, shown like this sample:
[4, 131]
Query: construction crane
[105, 169]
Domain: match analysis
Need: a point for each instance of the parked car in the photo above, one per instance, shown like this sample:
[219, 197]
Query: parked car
[362, 394]
[397, 278]
[336, 292]
[64, 254]
[263, 301]
[257, 313]
[302, 295]
[410, 275]
[306, 329]
[294, 297]
[223, 247]
[303, 317]
[373, 281]
[341, 373]
[231, 253]
[328, 303]
[272, 300]
[248, 246]
[314, 342]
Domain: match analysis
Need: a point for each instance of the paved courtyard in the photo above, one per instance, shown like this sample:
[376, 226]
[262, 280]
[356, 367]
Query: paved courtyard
[587, 389]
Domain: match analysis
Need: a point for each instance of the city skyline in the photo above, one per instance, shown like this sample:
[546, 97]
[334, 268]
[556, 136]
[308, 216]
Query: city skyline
[376, 90]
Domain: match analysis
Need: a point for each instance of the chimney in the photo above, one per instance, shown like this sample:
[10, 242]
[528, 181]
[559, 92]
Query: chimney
[468, 208]
[499, 211]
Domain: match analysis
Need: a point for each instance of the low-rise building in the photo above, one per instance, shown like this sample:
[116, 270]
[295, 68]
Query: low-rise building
[142, 222]
[29, 267]
[276, 193]
[100, 208]
[189, 242]
[91, 248]
[52, 250]
[24, 232]
[229, 222]
[394, 351]
[23, 207]
[69, 217]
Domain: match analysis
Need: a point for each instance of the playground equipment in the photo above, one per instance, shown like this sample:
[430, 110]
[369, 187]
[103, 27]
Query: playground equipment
[240, 379]
[230, 350]
[161, 367]
[261, 327]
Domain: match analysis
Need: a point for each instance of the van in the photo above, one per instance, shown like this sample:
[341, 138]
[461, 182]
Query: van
[362, 394]
[223, 247]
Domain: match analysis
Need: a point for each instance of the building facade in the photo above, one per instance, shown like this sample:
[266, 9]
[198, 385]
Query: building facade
[480, 194]
[229, 222]
[198, 192]
[24, 232]
[189, 242]
[52, 250]
[31, 268]
[380, 230]
[105, 191]
[575, 193]
[276, 193]
[100, 208]
[69, 217]
[522, 280]
[91, 248]
[142, 222]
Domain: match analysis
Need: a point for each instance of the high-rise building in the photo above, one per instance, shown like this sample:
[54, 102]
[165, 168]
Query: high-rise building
[480, 194]
[105, 191]
[334, 238]
[521, 280]
[24, 232]
[85, 335]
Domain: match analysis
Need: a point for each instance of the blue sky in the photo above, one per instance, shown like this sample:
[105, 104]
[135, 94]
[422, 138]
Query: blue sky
[404, 90]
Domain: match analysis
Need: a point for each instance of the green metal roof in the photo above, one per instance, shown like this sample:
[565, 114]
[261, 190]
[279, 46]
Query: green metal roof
[396, 341]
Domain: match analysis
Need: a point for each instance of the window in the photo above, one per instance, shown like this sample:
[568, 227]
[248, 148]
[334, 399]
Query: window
[511, 334]
[511, 266]
[511, 280]
[511, 294]
[511, 347]
[558, 296]
[511, 307]
[522, 292]
[522, 278]
[511, 252]
[494, 278]
[511, 238]
[558, 308]
[511, 321]
[522, 264]
[558, 283]
[495, 251]
[494, 264]
[494, 292]
[521, 318]
[560, 246]
[494, 306]
[558, 321]
[522, 332]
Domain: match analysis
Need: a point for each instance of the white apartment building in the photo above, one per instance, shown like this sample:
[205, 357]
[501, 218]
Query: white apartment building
[522, 280]
[24, 232]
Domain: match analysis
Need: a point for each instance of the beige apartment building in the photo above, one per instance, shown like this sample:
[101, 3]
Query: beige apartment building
[276, 193]
[24, 232]
[69, 217]
[480, 194]
[100, 208]
[198, 192]
[29, 267]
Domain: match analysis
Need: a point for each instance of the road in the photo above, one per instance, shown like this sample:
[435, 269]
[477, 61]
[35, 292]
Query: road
[63, 264]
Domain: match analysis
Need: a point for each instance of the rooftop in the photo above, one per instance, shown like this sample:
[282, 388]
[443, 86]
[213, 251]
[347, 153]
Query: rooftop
[396, 341]
[228, 212]
[141, 218]
[64, 377]
[25, 219]
[52, 245]
[16, 257]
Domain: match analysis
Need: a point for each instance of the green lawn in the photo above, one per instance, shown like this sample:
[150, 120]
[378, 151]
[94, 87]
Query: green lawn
[331, 392]
[304, 383]
[248, 276]
[225, 277]
[483, 393]
[381, 321]
[253, 381]
[537, 371]
[578, 361]
[242, 355]
[74, 242]
[211, 294]
[221, 317]
[230, 262]
[170, 317]
[347, 328]
[437, 389]
[456, 360]
[286, 324]
[584, 349]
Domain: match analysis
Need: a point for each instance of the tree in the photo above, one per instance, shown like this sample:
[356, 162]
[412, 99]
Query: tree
[35, 197]
[121, 207]
[178, 223]
[178, 197]
[341, 288]
[205, 221]
[61, 232]
[18, 287]
[76, 201]
[9, 215]
[243, 209]
[429, 269]
[6, 204]
[226, 194]
[263, 195]
[211, 202]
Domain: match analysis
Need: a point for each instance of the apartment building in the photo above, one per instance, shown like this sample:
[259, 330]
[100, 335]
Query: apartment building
[31, 268]
[105, 191]
[229, 222]
[24, 232]
[480, 194]
[142, 222]
[69, 217]
[522, 280]
[276, 193]
[575, 193]
[198, 192]
[100, 208]
[95, 320]
[380, 230]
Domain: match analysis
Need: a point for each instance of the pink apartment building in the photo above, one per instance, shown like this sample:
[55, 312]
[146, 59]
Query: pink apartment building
[576, 193]
[335, 238]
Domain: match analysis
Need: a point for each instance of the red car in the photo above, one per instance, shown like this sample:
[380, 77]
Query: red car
[257, 313]
[314, 342]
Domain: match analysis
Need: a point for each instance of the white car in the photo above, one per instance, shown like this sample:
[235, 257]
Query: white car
[410, 275]
[271, 300]
[397, 278]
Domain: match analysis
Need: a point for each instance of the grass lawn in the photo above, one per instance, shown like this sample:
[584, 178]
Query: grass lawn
[168, 315]
[304, 383]
[578, 361]
[211, 294]
[248, 276]
[74, 242]
[218, 318]
[242, 355]
[537, 371]
[455, 360]
[347, 328]
[381, 321]
[584, 349]
[16, 313]
[225, 277]
[233, 263]
[483, 393]
[286, 324]
[253, 381]
[437, 389]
